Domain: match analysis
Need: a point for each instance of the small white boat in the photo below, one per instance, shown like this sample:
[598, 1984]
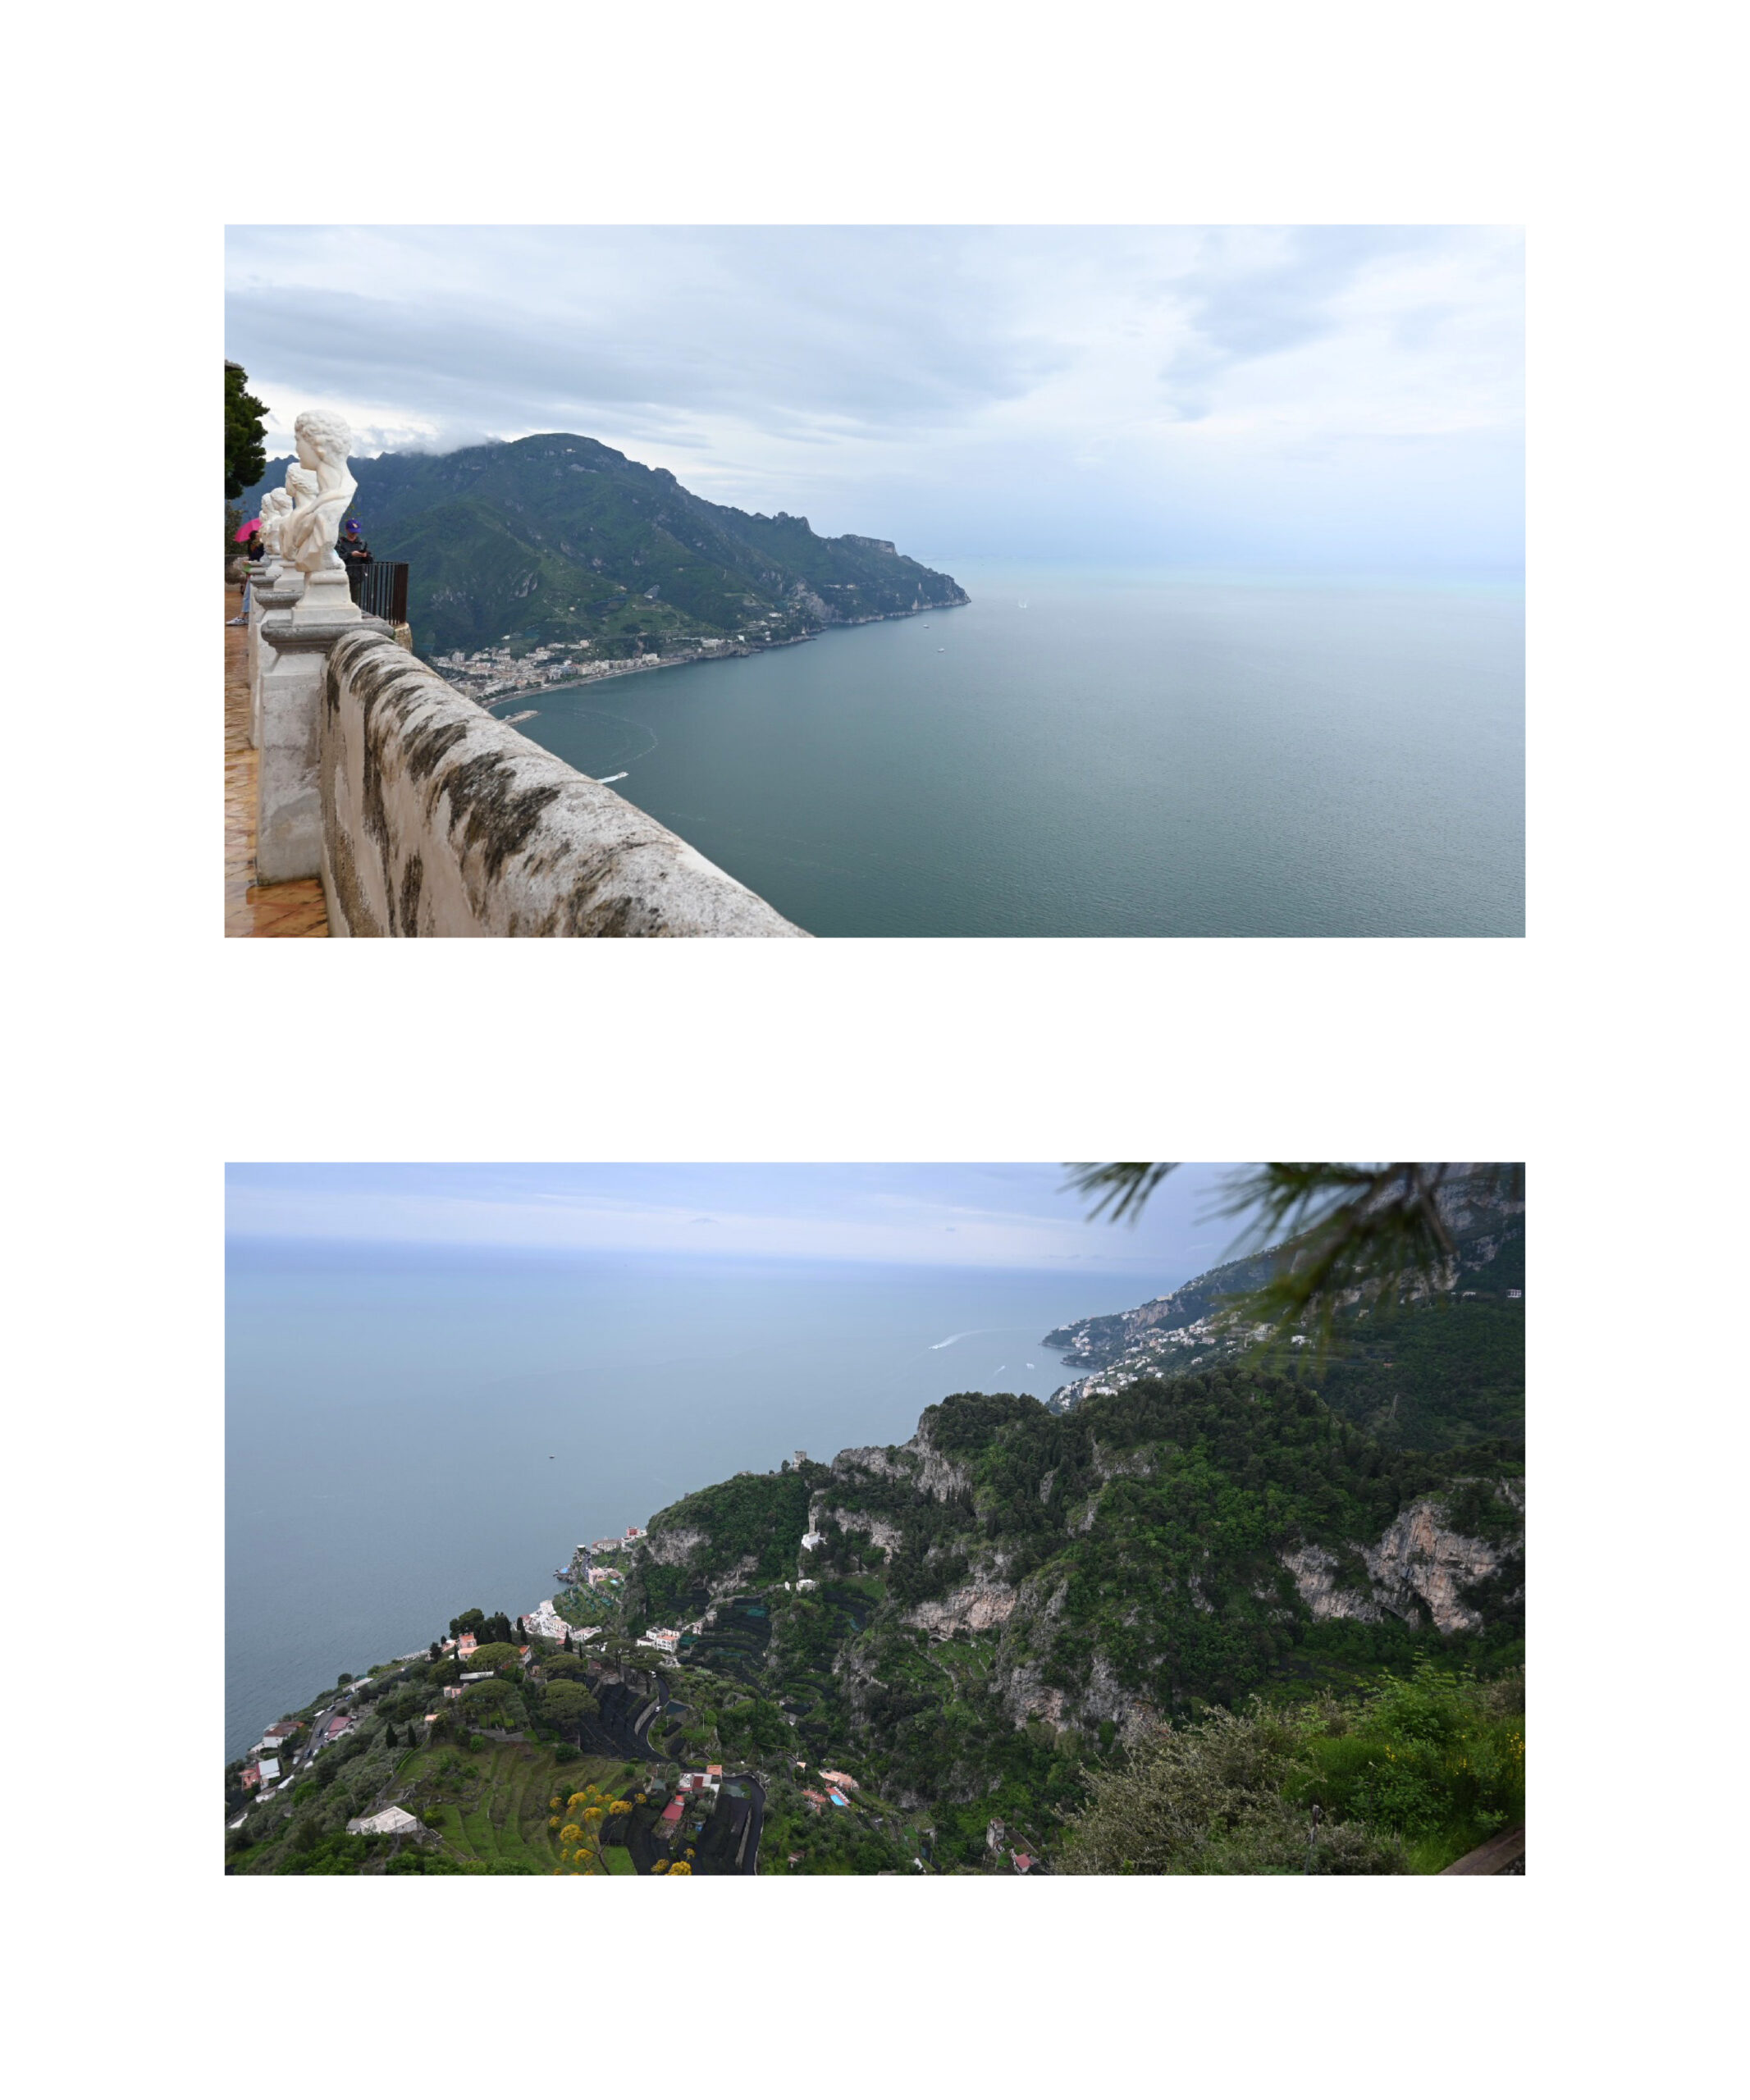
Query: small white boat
[607, 778]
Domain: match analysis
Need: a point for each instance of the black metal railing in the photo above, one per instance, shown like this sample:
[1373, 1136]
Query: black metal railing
[380, 588]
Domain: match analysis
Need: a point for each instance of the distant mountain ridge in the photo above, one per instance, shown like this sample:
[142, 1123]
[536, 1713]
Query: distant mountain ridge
[1443, 1370]
[560, 540]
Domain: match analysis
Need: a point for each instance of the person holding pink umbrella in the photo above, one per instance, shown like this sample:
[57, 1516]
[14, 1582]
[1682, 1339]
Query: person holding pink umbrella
[250, 536]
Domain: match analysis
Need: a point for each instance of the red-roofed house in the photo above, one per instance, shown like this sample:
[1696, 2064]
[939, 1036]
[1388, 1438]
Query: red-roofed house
[672, 1814]
[815, 1801]
[251, 1777]
[467, 1645]
[341, 1724]
[843, 1779]
[1023, 1864]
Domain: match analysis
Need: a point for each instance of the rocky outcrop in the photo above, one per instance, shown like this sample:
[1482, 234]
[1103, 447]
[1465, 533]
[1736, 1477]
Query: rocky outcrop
[879, 1458]
[937, 1477]
[672, 1549]
[974, 1608]
[877, 1530]
[1417, 1565]
[1314, 1570]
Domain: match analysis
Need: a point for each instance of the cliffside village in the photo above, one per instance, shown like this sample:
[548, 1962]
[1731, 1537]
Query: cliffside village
[490, 676]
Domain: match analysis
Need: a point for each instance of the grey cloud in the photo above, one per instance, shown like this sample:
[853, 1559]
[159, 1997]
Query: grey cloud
[904, 381]
[1251, 310]
[780, 326]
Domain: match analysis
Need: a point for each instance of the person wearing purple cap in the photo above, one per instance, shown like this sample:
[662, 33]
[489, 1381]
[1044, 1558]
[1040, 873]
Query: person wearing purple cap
[352, 550]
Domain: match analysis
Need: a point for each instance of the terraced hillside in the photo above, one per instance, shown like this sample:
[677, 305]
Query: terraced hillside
[492, 1806]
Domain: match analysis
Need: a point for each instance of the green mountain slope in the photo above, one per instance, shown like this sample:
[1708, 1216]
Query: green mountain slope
[560, 539]
[992, 1602]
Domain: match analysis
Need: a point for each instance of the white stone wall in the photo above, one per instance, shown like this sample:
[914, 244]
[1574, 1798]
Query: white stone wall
[439, 820]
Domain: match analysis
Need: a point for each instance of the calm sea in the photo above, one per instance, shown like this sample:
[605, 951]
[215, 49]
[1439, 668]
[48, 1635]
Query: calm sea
[411, 1431]
[1078, 754]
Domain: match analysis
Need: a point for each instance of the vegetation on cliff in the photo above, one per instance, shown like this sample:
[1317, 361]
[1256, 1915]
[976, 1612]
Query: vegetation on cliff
[1405, 1776]
[994, 1610]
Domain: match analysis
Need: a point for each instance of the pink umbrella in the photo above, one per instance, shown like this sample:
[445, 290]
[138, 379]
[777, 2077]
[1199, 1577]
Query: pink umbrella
[246, 532]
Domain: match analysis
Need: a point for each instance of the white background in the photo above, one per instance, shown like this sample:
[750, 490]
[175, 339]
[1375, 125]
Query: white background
[149, 1050]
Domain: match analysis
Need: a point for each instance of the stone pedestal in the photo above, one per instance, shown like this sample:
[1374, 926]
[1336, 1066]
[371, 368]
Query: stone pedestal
[327, 599]
[295, 647]
[272, 598]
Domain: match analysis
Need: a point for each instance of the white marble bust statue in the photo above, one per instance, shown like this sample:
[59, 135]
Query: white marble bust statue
[276, 508]
[323, 442]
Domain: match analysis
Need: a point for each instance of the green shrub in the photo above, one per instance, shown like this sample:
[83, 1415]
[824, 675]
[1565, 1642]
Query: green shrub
[1210, 1799]
[1406, 1776]
[1435, 1757]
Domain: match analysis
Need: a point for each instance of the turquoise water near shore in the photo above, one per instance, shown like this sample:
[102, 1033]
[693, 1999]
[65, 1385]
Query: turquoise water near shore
[1120, 755]
[410, 1431]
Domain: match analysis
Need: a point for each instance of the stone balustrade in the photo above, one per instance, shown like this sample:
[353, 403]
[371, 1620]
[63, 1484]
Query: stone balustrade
[421, 813]
[438, 819]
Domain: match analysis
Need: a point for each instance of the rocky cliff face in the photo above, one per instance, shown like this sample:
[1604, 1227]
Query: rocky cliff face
[1417, 1565]
[669, 1548]
[974, 1608]
[937, 1477]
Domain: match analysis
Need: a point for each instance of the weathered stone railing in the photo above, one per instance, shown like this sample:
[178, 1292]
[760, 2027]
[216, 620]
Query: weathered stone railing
[439, 819]
[422, 814]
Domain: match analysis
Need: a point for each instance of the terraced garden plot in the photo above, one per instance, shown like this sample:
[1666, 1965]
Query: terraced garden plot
[497, 1813]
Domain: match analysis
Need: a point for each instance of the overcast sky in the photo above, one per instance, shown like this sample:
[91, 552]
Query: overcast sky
[983, 1217]
[1345, 396]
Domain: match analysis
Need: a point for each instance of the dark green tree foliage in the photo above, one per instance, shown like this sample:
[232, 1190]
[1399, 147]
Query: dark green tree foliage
[761, 1514]
[245, 433]
[567, 1706]
[494, 1656]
